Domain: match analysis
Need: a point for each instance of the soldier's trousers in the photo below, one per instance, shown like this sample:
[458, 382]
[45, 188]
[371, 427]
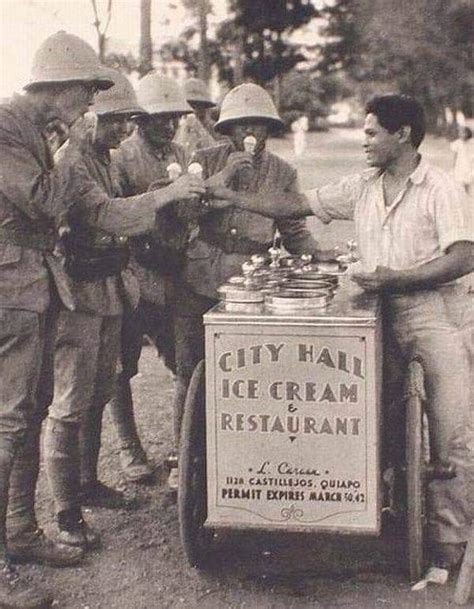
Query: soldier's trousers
[85, 364]
[437, 326]
[26, 383]
[189, 345]
[156, 322]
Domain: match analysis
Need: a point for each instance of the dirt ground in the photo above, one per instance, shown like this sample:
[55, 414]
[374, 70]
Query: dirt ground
[141, 564]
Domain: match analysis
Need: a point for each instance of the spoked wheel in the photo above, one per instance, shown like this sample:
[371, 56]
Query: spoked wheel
[415, 468]
[192, 492]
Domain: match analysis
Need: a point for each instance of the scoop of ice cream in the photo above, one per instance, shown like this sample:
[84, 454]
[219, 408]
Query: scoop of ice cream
[250, 143]
[195, 169]
[174, 171]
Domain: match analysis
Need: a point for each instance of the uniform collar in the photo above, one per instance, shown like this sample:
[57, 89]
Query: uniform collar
[161, 152]
[39, 114]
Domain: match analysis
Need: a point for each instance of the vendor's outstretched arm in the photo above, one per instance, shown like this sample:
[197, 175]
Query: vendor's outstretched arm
[271, 204]
[458, 261]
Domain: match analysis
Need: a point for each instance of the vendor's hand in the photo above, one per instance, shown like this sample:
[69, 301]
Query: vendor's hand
[235, 162]
[381, 279]
[327, 255]
[186, 187]
[218, 191]
[218, 203]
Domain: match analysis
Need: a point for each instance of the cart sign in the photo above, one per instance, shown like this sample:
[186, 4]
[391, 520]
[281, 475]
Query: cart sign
[292, 425]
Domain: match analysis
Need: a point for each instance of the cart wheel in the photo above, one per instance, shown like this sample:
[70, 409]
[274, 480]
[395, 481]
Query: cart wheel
[415, 469]
[192, 491]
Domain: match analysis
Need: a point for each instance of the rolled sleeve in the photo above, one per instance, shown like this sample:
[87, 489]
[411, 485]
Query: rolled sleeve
[127, 216]
[453, 215]
[336, 201]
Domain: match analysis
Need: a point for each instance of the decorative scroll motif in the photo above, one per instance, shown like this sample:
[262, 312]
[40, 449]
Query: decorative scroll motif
[292, 513]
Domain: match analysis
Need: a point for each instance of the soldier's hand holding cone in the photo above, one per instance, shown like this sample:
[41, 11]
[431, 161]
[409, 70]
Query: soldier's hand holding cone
[187, 186]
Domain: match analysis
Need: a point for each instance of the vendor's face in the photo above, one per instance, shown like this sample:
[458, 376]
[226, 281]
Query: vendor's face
[111, 130]
[381, 147]
[239, 131]
[160, 128]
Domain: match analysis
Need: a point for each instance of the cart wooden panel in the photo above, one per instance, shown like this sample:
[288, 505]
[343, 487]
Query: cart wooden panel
[293, 417]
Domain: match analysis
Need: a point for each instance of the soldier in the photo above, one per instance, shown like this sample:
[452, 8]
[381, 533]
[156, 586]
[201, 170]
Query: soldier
[148, 157]
[196, 131]
[33, 194]
[88, 337]
[229, 236]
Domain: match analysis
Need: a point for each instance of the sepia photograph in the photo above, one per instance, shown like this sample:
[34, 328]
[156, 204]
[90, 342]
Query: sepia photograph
[236, 304]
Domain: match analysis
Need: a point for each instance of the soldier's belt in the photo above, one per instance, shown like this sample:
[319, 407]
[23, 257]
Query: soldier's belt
[35, 241]
[235, 244]
[92, 261]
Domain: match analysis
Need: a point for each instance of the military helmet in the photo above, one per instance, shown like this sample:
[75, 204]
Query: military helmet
[244, 102]
[119, 99]
[161, 95]
[196, 92]
[63, 58]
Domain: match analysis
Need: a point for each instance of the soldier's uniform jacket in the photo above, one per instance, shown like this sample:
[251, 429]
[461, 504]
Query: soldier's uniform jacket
[33, 194]
[107, 295]
[192, 135]
[229, 236]
[140, 165]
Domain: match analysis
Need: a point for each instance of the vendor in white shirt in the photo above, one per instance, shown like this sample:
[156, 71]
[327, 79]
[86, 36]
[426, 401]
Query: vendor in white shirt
[415, 238]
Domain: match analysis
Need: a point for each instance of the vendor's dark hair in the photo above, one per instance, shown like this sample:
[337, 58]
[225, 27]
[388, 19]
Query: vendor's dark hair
[468, 133]
[396, 111]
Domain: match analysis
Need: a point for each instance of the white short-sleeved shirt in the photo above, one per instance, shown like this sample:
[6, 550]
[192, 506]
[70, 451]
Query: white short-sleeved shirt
[430, 214]
[464, 164]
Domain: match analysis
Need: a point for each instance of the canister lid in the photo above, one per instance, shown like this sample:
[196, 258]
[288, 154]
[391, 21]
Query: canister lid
[239, 293]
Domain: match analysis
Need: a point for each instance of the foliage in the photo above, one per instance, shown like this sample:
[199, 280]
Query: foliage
[421, 47]
[258, 27]
[303, 93]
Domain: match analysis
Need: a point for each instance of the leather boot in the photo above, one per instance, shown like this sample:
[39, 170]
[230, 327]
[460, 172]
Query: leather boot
[37, 548]
[6, 464]
[61, 447]
[133, 458]
[74, 531]
[21, 516]
[89, 443]
[16, 593]
[135, 465]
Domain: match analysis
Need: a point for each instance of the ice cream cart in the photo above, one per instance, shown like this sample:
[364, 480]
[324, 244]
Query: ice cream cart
[282, 423]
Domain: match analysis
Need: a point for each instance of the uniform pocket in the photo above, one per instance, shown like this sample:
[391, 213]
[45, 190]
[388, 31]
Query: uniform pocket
[9, 254]
[199, 250]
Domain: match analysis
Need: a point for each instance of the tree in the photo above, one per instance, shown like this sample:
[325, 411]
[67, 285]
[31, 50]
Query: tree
[102, 29]
[257, 28]
[307, 94]
[146, 44]
[420, 47]
[201, 9]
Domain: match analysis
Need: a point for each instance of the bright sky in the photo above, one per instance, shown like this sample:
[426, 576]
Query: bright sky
[26, 23]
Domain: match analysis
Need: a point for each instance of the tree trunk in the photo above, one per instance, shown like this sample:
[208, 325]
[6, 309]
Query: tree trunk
[146, 45]
[101, 43]
[239, 58]
[203, 68]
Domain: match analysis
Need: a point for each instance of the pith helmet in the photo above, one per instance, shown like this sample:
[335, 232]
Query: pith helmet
[63, 58]
[196, 92]
[119, 99]
[161, 95]
[247, 101]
